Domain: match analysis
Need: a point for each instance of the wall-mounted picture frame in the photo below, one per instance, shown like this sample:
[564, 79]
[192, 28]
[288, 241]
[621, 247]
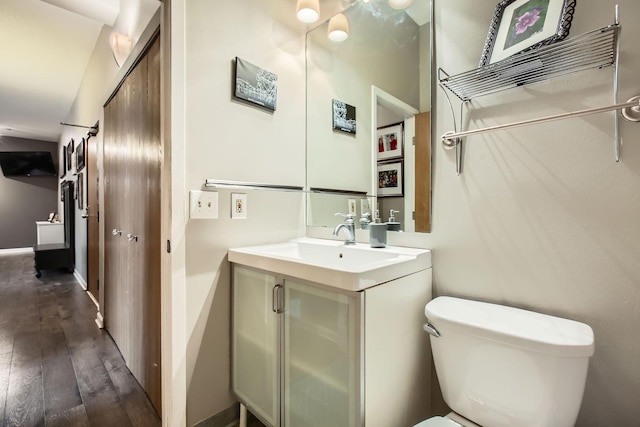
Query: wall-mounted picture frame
[80, 156]
[70, 155]
[390, 141]
[390, 179]
[255, 85]
[80, 190]
[344, 116]
[63, 169]
[520, 25]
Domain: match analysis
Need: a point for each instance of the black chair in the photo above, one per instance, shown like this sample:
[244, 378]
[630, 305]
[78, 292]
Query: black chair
[59, 255]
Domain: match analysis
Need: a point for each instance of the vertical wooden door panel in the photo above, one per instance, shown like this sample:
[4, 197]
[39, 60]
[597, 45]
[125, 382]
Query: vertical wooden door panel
[132, 204]
[423, 172]
[152, 155]
[135, 206]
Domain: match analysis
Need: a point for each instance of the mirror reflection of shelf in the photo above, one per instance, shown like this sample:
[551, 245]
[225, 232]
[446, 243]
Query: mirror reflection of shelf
[594, 49]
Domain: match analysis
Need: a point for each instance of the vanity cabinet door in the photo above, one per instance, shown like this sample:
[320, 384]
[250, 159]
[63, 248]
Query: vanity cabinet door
[322, 380]
[255, 353]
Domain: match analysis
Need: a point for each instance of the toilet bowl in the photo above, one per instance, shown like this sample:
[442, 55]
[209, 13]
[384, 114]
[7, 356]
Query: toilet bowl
[501, 366]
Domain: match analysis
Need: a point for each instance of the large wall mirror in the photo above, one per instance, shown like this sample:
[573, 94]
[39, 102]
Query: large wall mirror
[368, 117]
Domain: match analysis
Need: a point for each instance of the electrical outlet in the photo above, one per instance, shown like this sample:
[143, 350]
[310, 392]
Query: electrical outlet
[351, 207]
[238, 206]
[203, 204]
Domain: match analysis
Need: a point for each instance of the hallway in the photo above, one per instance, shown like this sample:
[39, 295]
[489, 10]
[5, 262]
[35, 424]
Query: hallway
[56, 367]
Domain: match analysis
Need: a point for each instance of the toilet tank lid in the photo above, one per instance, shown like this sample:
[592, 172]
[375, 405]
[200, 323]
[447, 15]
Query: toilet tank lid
[521, 328]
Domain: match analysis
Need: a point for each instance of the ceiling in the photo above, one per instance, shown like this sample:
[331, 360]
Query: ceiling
[47, 45]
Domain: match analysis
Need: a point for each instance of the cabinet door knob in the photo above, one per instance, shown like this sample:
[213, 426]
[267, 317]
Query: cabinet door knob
[131, 237]
[116, 232]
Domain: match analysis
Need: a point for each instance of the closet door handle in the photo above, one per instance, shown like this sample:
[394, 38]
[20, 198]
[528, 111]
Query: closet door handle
[116, 232]
[131, 237]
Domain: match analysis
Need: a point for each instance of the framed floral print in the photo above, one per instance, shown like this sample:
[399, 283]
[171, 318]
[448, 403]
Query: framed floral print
[520, 25]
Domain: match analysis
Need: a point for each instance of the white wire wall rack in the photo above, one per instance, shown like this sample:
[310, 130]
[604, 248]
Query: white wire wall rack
[595, 49]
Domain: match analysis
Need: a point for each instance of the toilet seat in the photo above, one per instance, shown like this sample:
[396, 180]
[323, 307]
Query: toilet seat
[438, 422]
[451, 420]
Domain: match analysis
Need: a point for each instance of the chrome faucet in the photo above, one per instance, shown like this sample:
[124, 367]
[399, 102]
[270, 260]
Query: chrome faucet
[349, 226]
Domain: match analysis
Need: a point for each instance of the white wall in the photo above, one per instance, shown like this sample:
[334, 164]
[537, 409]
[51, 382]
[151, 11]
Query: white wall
[87, 110]
[226, 139]
[99, 80]
[543, 217]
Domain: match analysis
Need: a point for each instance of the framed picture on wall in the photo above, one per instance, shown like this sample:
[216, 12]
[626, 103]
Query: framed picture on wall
[70, 154]
[80, 155]
[255, 85]
[390, 141]
[344, 117]
[63, 162]
[390, 183]
[519, 25]
[80, 190]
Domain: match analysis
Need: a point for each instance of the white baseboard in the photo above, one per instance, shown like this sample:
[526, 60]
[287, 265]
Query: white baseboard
[80, 279]
[95, 301]
[100, 320]
[14, 251]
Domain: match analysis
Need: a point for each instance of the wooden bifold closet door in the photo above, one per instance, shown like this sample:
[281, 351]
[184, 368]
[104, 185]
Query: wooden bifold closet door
[132, 160]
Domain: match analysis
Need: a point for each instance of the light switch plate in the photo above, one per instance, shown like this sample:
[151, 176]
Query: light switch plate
[238, 206]
[364, 206]
[203, 204]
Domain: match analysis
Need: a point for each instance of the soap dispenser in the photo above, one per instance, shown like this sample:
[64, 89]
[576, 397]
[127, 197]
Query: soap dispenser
[377, 232]
[364, 221]
[392, 224]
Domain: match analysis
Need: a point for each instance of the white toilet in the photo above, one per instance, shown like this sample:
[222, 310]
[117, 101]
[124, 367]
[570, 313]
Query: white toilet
[503, 366]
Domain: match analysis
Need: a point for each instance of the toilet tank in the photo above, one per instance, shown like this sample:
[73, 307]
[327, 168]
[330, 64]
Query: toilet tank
[503, 366]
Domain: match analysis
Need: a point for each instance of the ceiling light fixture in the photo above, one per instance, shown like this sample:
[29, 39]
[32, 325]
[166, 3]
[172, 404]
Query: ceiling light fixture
[120, 46]
[400, 4]
[338, 28]
[308, 10]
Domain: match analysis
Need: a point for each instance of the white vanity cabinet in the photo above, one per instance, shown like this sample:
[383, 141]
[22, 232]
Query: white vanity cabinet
[306, 354]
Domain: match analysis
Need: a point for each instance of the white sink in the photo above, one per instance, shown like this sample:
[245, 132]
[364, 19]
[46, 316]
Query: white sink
[330, 262]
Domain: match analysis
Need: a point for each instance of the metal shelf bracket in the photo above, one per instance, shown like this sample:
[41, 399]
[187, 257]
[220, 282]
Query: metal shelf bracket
[595, 49]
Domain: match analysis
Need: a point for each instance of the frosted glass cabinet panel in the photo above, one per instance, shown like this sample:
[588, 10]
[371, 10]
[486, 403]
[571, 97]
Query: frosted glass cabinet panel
[321, 384]
[309, 355]
[255, 343]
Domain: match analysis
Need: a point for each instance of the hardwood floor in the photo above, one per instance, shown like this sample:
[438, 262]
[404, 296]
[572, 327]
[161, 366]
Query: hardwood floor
[56, 367]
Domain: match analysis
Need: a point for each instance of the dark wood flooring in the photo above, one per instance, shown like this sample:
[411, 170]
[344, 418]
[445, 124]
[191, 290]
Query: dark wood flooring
[56, 367]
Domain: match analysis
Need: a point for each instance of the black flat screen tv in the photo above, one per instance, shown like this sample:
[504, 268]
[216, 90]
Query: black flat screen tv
[27, 163]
